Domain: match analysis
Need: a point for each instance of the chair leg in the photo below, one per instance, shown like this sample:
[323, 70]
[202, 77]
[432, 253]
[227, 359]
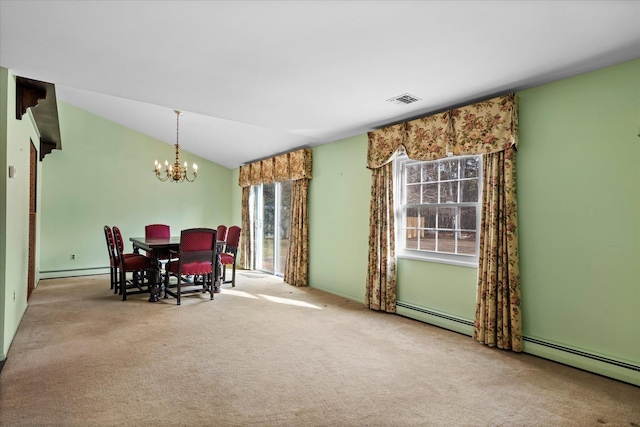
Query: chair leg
[116, 283]
[178, 290]
[123, 284]
[166, 284]
[233, 276]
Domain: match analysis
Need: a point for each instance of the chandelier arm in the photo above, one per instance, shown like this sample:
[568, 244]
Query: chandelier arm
[162, 179]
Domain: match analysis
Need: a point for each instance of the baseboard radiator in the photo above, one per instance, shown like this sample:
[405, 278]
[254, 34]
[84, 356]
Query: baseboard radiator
[591, 356]
[438, 314]
[466, 325]
[73, 272]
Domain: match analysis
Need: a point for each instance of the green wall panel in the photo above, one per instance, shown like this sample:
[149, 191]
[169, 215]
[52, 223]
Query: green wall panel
[579, 210]
[443, 288]
[339, 218]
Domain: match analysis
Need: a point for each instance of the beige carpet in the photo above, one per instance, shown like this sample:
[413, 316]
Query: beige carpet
[269, 354]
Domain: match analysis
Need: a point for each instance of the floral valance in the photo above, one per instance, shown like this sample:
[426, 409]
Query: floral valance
[291, 166]
[484, 127]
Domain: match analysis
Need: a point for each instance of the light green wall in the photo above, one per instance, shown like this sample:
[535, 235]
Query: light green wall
[15, 143]
[441, 288]
[4, 82]
[339, 218]
[579, 211]
[104, 176]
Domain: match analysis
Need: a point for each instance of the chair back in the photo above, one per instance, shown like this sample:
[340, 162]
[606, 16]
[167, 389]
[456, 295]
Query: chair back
[108, 235]
[119, 244]
[157, 231]
[197, 245]
[228, 257]
[233, 239]
[222, 232]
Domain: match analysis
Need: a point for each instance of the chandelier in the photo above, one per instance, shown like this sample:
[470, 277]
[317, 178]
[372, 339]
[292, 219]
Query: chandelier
[175, 172]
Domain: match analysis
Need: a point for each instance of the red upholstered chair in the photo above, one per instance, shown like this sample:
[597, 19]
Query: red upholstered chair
[195, 257]
[113, 259]
[228, 257]
[157, 230]
[222, 232]
[135, 264]
[113, 263]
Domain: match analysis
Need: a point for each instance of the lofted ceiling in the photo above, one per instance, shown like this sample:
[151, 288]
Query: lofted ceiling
[258, 78]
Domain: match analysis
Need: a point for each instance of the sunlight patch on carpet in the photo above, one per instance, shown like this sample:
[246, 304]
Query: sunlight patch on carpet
[238, 293]
[289, 301]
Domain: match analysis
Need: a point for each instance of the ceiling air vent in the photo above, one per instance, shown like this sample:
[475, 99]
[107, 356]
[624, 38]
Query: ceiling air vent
[404, 99]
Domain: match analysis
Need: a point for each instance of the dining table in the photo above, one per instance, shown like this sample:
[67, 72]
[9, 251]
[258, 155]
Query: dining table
[158, 248]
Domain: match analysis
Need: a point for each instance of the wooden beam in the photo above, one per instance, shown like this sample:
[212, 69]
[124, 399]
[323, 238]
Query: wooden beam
[41, 98]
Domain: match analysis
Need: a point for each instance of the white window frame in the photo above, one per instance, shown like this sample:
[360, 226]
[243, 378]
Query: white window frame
[399, 164]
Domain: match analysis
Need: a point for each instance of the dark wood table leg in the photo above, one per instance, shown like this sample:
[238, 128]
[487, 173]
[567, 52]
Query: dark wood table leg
[154, 280]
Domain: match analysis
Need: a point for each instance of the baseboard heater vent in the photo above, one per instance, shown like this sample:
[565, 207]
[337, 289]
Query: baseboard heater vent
[434, 313]
[547, 344]
[583, 354]
[73, 269]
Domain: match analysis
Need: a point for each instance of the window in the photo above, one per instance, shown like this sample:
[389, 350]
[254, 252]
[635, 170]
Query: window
[437, 207]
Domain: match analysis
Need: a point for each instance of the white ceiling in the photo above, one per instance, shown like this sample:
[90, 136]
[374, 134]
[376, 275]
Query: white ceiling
[258, 78]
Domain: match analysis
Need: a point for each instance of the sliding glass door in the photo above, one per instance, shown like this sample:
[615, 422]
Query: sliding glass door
[272, 218]
[266, 210]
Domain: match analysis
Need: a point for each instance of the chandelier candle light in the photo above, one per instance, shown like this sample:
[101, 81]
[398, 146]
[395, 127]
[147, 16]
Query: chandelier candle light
[175, 172]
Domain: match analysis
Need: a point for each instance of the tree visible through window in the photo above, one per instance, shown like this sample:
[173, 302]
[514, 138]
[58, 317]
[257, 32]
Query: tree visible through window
[438, 206]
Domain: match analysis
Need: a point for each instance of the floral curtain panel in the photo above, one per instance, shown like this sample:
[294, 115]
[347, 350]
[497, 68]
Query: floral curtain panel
[297, 268]
[246, 251]
[282, 168]
[291, 166]
[246, 239]
[485, 127]
[255, 173]
[498, 319]
[384, 144]
[300, 164]
[267, 171]
[244, 176]
[380, 293]
[295, 166]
